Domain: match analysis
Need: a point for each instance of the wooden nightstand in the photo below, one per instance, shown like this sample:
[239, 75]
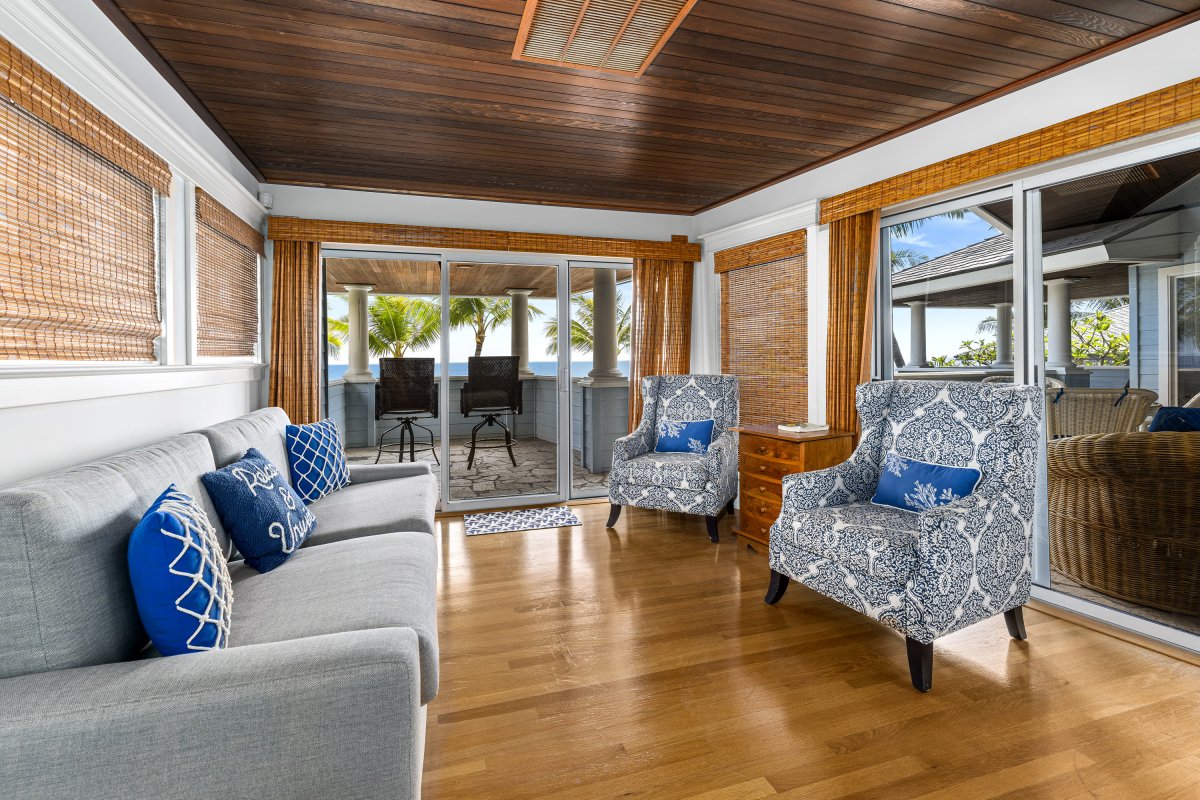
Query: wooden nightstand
[765, 455]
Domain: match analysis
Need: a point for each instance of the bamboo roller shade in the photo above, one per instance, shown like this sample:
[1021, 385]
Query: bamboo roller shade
[31, 87]
[314, 230]
[761, 251]
[78, 249]
[662, 325]
[1151, 112]
[764, 326]
[227, 252]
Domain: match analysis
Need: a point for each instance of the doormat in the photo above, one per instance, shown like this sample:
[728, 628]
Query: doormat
[529, 519]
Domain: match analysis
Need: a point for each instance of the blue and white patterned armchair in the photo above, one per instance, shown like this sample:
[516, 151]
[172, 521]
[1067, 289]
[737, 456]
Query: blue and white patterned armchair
[929, 573]
[684, 482]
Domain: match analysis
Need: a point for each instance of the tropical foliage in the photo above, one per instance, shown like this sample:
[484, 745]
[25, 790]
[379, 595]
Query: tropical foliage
[583, 326]
[483, 315]
[395, 325]
[1093, 342]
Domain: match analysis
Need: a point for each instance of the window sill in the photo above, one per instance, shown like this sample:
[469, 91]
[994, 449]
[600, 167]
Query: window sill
[38, 385]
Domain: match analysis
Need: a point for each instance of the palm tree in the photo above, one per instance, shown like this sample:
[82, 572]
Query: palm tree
[482, 315]
[905, 257]
[906, 229]
[395, 325]
[583, 326]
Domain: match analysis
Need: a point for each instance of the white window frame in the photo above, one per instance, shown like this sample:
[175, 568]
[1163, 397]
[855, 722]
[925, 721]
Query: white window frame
[1168, 356]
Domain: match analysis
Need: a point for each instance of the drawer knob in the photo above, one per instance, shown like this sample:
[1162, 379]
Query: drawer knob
[762, 509]
[763, 468]
[762, 448]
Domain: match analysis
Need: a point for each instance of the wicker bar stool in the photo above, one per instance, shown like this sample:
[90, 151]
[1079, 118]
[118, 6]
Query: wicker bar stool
[406, 393]
[493, 389]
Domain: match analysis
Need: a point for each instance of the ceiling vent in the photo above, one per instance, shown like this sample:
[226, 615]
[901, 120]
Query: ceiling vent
[621, 36]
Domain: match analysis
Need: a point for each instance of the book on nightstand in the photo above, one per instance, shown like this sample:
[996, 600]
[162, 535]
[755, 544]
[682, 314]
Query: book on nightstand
[803, 427]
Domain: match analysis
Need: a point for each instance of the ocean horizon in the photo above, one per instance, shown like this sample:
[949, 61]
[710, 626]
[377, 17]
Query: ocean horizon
[579, 369]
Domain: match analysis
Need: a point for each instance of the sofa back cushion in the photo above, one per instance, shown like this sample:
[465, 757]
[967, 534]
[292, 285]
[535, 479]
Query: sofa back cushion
[691, 397]
[262, 430]
[65, 596]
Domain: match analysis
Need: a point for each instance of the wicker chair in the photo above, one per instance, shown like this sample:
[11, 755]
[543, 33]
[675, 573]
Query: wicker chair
[1080, 412]
[406, 393]
[1125, 516]
[493, 388]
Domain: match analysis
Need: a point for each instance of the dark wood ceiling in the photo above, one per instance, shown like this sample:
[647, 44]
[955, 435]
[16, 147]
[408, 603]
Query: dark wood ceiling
[424, 96]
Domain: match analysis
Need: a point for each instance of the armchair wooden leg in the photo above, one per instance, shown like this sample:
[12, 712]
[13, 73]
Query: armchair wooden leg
[1015, 621]
[613, 515]
[920, 664]
[713, 535]
[779, 584]
[729, 506]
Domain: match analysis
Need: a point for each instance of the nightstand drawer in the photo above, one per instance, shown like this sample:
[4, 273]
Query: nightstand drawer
[755, 526]
[767, 507]
[761, 488]
[760, 467]
[770, 448]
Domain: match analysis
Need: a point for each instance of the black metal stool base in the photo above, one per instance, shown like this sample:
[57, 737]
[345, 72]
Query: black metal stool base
[489, 420]
[406, 425]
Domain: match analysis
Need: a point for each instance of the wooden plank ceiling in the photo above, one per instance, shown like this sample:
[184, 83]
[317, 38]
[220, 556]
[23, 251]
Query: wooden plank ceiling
[424, 96]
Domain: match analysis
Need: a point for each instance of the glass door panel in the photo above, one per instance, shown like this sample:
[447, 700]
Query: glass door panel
[382, 388]
[1121, 334]
[502, 417]
[600, 338]
[947, 292]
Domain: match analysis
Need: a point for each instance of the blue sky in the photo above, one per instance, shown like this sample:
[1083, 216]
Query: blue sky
[945, 328]
[498, 343]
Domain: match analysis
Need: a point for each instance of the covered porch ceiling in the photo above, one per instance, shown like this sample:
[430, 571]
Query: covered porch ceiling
[467, 279]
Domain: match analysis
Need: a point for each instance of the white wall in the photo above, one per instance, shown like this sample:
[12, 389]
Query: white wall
[54, 417]
[404, 209]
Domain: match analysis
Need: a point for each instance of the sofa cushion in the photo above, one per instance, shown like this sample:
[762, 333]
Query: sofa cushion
[870, 540]
[366, 509]
[262, 429]
[387, 581]
[672, 470]
[681, 436]
[63, 540]
[179, 576]
[265, 517]
[316, 459]
[912, 485]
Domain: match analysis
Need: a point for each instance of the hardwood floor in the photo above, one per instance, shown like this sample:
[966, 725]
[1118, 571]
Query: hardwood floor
[642, 663]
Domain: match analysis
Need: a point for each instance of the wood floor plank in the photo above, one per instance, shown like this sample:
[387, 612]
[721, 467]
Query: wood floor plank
[641, 662]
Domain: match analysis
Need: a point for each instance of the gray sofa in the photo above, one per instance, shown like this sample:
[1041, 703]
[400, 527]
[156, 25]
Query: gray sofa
[331, 659]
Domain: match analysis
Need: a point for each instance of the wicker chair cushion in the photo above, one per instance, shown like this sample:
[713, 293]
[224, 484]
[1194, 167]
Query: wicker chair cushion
[1181, 420]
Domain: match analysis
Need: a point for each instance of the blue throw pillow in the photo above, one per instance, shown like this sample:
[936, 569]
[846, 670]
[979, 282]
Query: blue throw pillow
[316, 459]
[179, 576]
[677, 436]
[264, 517]
[914, 485]
[1170, 418]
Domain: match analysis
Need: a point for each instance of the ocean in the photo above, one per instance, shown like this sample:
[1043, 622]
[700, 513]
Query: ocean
[579, 369]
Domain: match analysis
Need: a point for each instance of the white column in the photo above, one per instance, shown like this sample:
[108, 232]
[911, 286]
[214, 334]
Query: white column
[520, 328]
[1004, 336]
[359, 369]
[1058, 323]
[916, 334]
[604, 332]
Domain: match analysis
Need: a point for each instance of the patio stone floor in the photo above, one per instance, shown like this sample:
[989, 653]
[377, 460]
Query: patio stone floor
[493, 475]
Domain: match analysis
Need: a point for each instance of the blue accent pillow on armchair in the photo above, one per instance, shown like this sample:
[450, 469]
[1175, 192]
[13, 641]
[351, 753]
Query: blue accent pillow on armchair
[179, 576]
[912, 485]
[677, 436]
[316, 459]
[1170, 418]
[263, 515]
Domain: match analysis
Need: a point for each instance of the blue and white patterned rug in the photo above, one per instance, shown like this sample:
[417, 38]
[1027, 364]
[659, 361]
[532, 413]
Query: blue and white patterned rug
[529, 519]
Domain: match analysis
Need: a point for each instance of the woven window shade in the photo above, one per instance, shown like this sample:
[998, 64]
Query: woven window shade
[78, 248]
[1151, 112]
[227, 252]
[296, 330]
[764, 338]
[853, 259]
[31, 87]
[662, 324]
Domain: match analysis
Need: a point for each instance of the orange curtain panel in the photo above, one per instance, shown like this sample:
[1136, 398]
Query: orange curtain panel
[295, 330]
[853, 259]
[662, 324]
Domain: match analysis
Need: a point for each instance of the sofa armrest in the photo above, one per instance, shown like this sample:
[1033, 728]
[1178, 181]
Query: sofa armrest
[366, 473]
[851, 481]
[327, 716]
[721, 460]
[637, 443]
